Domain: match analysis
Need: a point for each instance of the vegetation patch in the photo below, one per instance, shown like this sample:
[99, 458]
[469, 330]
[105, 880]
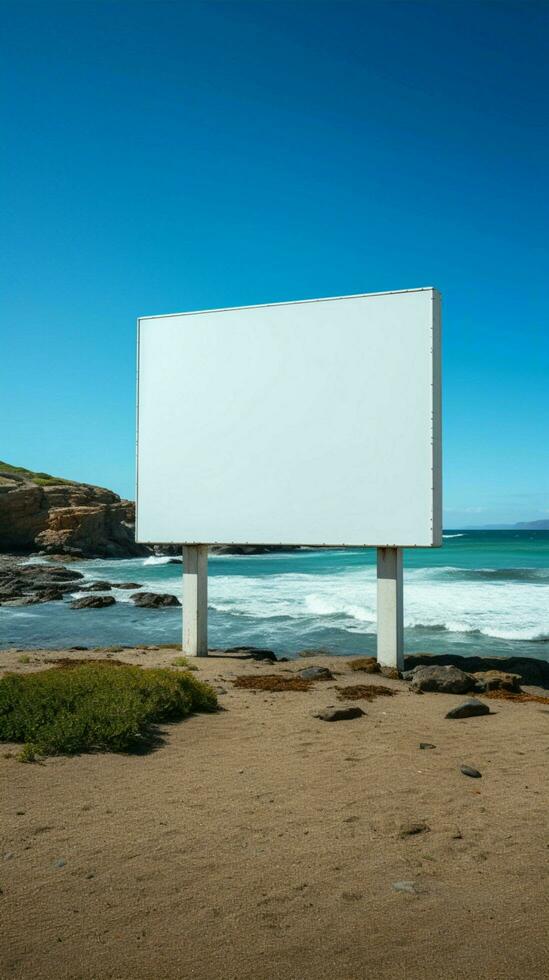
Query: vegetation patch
[367, 664]
[502, 695]
[95, 705]
[272, 682]
[183, 662]
[41, 479]
[355, 692]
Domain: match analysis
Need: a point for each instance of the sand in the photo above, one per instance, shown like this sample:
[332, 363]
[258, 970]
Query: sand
[263, 843]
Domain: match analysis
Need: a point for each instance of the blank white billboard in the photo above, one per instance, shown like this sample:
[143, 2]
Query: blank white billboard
[305, 423]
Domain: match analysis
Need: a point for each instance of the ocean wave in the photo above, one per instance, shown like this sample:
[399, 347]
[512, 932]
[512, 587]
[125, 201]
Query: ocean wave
[445, 536]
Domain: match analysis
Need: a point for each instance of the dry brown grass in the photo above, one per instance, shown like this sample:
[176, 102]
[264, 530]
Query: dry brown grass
[272, 682]
[513, 696]
[355, 692]
[368, 664]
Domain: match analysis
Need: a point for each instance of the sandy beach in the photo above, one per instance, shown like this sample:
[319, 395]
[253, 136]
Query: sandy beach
[261, 842]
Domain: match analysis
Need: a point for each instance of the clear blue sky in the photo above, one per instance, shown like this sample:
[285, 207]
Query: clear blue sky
[161, 157]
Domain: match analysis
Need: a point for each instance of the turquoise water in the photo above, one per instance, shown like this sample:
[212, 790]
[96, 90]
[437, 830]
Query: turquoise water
[483, 592]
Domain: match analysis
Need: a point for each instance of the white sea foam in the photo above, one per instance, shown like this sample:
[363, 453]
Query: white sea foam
[453, 535]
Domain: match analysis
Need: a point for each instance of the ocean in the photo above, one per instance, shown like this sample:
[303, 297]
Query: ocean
[483, 592]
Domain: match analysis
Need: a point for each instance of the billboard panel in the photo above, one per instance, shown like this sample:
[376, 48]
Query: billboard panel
[307, 423]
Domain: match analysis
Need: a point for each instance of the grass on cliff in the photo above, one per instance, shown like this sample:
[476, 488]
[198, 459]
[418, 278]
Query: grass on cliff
[42, 479]
[98, 706]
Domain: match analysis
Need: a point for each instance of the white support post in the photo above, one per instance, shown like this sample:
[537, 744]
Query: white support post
[390, 616]
[195, 600]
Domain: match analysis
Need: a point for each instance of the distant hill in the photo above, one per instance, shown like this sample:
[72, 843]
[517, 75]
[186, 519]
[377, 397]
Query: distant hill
[542, 525]
[533, 526]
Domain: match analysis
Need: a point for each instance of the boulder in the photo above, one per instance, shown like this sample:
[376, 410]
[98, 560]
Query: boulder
[93, 602]
[530, 670]
[497, 680]
[126, 585]
[469, 709]
[154, 600]
[344, 713]
[98, 586]
[444, 680]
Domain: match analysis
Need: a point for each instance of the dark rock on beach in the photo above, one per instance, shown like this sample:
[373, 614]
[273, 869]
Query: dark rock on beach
[470, 771]
[96, 587]
[530, 670]
[126, 585]
[93, 602]
[468, 709]
[344, 713]
[253, 653]
[154, 600]
[497, 680]
[445, 680]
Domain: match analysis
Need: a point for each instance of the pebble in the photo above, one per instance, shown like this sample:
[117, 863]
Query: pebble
[405, 886]
[470, 771]
[60, 863]
[426, 745]
[411, 828]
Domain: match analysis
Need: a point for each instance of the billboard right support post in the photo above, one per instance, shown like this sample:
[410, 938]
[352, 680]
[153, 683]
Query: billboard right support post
[390, 615]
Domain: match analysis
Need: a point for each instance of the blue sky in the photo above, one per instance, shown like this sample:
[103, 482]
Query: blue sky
[175, 156]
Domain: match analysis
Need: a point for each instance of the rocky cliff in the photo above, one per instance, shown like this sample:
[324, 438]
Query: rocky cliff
[39, 512]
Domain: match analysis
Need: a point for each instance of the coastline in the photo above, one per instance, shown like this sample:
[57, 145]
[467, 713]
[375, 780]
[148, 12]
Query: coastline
[302, 822]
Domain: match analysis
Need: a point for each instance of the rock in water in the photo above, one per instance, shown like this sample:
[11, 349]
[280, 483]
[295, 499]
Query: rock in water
[470, 771]
[444, 680]
[98, 586]
[340, 714]
[469, 709]
[154, 600]
[315, 674]
[93, 602]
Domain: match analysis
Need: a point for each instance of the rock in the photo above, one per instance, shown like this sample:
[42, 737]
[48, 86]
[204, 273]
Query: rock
[468, 709]
[405, 886]
[340, 714]
[60, 863]
[444, 680]
[41, 512]
[24, 585]
[529, 669]
[98, 586]
[315, 674]
[154, 600]
[497, 680]
[411, 828]
[253, 653]
[367, 664]
[391, 672]
[469, 771]
[93, 602]
[126, 585]
[426, 745]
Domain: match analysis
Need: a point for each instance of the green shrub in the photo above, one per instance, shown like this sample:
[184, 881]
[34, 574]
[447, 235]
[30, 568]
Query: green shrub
[95, 706]
[183, 662]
